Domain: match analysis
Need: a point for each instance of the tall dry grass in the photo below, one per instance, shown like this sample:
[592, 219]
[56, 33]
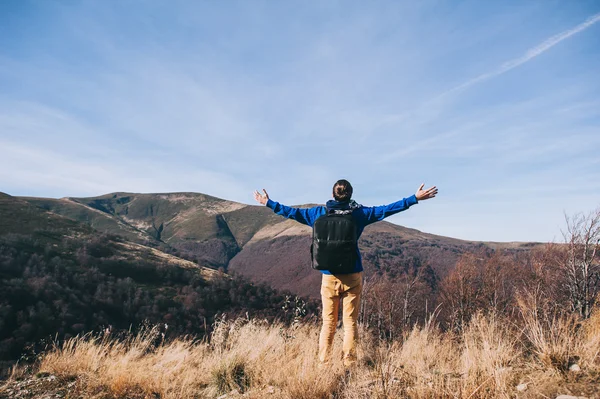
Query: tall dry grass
[488, 359]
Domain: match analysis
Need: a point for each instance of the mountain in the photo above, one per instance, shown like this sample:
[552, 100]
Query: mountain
[60, 277]
[207, 229]
[20, 217]
[252, 240]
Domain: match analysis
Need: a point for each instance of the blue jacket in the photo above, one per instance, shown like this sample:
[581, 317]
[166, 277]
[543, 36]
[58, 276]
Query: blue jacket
[363, 215]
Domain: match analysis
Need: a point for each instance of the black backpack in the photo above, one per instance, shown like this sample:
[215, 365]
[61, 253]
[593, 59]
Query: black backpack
[335, 238]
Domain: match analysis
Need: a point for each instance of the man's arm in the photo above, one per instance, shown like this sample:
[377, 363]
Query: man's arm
[376, 213]
[304, 216]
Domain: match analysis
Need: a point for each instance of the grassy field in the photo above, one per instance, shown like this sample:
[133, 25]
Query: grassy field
[532, 356]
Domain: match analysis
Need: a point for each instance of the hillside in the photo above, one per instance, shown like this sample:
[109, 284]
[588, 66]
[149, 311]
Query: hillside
[60, 277]
[19, 217]
[191, 223]
[252, 240]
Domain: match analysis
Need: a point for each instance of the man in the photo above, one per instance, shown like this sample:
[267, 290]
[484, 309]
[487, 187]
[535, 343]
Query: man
[346, 287]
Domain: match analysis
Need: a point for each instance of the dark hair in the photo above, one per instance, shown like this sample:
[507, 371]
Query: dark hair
[342, 190]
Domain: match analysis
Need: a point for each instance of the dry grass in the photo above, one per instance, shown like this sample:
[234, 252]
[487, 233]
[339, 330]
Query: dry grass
[257, 360]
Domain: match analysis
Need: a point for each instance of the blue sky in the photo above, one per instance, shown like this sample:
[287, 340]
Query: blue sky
[496, 103]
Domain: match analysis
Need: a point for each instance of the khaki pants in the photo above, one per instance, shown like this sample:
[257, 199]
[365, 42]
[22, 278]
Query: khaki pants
[347, 288]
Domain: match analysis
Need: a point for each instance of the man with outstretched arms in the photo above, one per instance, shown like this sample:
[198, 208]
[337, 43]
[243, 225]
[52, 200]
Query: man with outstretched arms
[336, 229]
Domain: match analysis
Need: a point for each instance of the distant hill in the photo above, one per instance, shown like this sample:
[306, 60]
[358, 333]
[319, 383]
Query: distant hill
[252, 240]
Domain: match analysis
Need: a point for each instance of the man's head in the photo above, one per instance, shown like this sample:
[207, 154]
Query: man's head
[342, 190]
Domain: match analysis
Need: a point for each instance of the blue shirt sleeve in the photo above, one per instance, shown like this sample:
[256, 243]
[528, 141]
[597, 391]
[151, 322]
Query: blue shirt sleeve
[303, 215]
[376, 213]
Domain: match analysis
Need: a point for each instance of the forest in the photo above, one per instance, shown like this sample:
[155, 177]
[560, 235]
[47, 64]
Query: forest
[56, 290]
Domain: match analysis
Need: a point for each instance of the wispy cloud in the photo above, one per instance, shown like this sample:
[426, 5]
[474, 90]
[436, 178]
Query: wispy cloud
[433, 109]
[528, 56]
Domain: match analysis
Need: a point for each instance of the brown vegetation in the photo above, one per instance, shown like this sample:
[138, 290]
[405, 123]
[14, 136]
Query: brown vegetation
[489, 358]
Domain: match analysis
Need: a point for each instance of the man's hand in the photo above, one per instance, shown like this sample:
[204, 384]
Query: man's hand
[260, 198]
[424, 194]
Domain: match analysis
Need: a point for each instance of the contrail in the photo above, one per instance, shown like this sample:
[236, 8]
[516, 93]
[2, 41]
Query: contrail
[530, 54]
[505, 67]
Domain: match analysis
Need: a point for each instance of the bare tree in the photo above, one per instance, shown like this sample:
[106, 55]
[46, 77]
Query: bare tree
[390, 305]
[581, 264]
[482, 281]
[410, 288]
[461, 290]
[546, 264]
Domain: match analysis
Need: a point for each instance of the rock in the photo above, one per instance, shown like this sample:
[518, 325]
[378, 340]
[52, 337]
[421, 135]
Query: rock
[574, 367]
[521, 387]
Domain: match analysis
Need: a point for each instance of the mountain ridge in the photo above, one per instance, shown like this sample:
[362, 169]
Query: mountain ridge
[252, 240]
[76, 200]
